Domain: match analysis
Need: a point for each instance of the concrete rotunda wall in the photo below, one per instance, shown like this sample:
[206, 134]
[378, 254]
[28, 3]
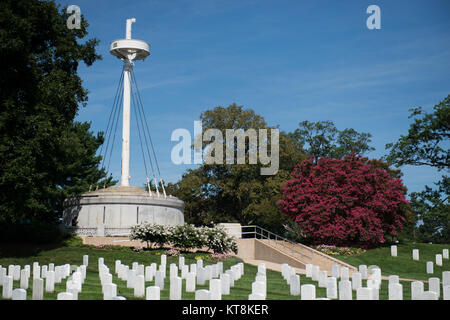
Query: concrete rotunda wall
[121, 207]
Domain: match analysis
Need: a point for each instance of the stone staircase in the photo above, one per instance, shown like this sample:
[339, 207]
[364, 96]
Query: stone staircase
[261, 244]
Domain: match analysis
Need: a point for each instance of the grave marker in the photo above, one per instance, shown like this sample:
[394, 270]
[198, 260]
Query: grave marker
[395, 291]
[19, 294]
[153, 293]
[416, 290]
[345, 290]
[38, 289]
[308, 292]
[175, 288]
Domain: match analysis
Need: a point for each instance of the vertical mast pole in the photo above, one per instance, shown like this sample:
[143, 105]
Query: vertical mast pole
[125, 172]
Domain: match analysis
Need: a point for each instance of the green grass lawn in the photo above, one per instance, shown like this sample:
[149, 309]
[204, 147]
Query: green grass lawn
[277, 289]
[403, 265]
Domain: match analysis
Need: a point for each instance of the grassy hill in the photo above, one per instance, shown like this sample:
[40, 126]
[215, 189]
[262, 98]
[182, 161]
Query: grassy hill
[277, 289]
[403, 265]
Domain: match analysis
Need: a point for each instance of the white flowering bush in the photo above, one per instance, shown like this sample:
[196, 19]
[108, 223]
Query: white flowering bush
[185, 237]
[218, 240]
[150, 233]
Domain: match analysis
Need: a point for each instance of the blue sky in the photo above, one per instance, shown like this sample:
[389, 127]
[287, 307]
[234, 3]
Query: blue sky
[289, 61]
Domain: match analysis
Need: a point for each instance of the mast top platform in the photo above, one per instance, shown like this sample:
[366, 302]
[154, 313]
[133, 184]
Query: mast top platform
[130, 49]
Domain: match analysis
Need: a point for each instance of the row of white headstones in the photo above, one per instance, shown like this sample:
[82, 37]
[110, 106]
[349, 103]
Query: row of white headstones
[220, 281]
[429, 264]
[50, 273]
[347, 285]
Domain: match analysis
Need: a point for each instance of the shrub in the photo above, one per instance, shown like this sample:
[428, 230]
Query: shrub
[185, 237]
[345, 201]
[150, 233]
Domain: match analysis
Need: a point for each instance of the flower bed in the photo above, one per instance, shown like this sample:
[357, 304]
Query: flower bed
[339, 251]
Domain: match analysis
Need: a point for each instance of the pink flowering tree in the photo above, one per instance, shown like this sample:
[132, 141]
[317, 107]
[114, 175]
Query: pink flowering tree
[345, 201]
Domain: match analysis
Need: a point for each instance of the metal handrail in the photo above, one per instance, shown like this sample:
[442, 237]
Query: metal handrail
[272, 236]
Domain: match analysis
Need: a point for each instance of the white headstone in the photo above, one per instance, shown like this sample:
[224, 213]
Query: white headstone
[149, 273]
[38, 289]
[309, 270]
[181, 261]
[308, 292]
[131, 278]
[445, 278]
[344, 273]
[256, 296]
[50, 281]
[153, 293]
[190, 282]
[64, 296]
[202, 295]
[259, 287]
[175, 288]
[16, 273]
[415, 254]
[429, 267]
[446, 292]
[315, 273]
[262, 268]
[163, 260]
[345, 290]
[201, 275]
[225, 285]
[193, 268]
[140, 270]
[416, 290]
[139, 286]
[363, 270]
[231, 274]
[439, 260]
[393, 279]
[393, 251]
[395, 291]
[199, 263]
[295, 285]
[36, 271]
[215, 289]
[86, 260]
[323, 278]
[434, 285]
[445, 253]
[24, 279]
[364, 293]
[356, 280]
[184, 271]
[430, 295]
[109, 291]
[19, 294]
[173, 270]
[7, 287]
[159, 279]
[335, 271]
[332, 288]
[3, 274]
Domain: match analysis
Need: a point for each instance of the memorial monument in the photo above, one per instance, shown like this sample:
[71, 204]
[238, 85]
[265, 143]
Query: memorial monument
[112, 211]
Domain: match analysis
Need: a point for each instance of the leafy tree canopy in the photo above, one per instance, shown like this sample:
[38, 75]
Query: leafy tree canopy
[44, 155]
[323, 140]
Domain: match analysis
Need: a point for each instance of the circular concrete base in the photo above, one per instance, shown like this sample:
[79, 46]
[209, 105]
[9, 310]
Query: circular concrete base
[114, 210]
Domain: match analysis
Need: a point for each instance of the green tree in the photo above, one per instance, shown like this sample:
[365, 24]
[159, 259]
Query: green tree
[323, 140]
[426, 144]
[236, 192]
[44, 155]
